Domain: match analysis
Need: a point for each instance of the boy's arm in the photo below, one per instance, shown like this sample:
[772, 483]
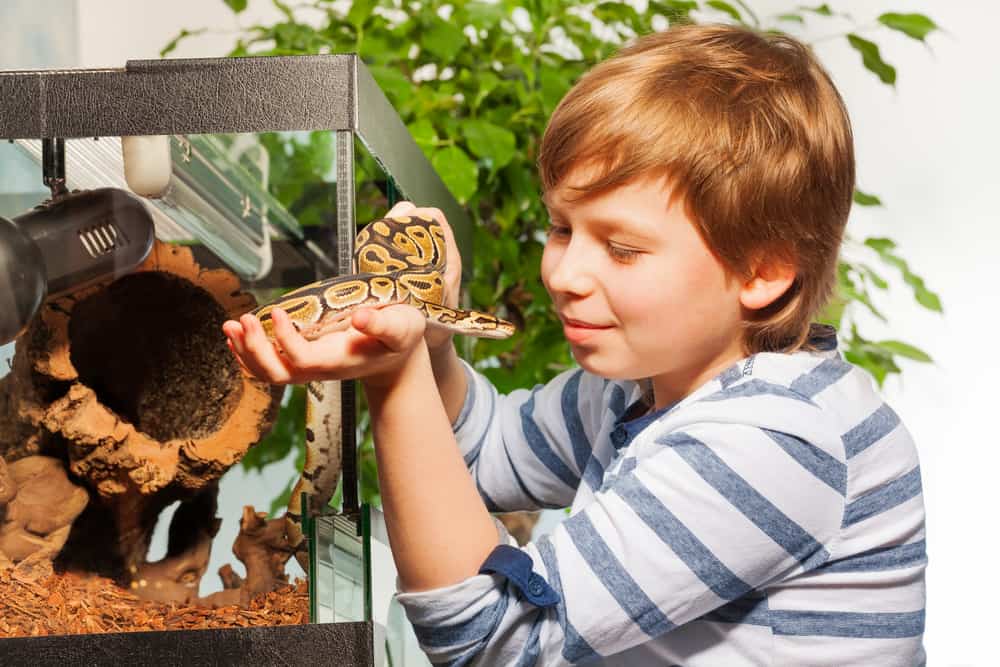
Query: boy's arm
[450, 378]
[438, 526]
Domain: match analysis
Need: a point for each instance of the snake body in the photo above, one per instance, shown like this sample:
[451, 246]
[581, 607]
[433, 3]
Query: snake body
[399, 260]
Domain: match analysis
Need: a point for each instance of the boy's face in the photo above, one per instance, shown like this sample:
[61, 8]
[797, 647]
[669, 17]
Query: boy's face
[638, 291]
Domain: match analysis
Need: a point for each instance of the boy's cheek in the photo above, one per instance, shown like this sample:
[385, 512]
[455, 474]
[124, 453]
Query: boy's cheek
[545, 270]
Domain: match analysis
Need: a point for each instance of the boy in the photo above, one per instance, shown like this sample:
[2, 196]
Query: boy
[740, 495]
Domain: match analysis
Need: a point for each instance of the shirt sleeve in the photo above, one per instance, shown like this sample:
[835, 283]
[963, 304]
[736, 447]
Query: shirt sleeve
[708, 515]
[527, 450]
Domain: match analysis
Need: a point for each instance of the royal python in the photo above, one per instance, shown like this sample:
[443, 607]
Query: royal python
[399, 260]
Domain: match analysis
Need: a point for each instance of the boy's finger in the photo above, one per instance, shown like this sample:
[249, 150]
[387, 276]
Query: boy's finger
[234, 336]
[401, 208]
[295, 347]
[453, 273]
[239, 358]
[430, 212]
[260, 355]
[396, 327]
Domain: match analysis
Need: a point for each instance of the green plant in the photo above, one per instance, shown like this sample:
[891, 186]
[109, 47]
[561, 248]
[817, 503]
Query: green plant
[475, 82]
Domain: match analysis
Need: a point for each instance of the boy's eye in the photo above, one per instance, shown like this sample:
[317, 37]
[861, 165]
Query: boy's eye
[558, 231]
[623, 255]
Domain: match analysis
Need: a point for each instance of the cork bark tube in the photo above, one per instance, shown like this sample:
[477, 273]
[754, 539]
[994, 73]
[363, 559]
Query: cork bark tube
[132, 387]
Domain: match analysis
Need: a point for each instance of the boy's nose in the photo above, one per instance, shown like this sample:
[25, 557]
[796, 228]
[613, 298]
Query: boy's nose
[571, 273]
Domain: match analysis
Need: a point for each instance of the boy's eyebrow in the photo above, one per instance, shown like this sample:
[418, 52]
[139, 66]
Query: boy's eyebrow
[608, 223]
[612, 225]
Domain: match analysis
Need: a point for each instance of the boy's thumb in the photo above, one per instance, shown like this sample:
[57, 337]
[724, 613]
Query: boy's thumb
[393, 326]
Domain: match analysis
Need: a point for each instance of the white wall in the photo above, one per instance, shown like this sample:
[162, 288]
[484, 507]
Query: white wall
[113, 31]
[929, 148]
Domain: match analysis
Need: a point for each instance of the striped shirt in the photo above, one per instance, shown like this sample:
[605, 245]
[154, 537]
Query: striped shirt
[772, 517]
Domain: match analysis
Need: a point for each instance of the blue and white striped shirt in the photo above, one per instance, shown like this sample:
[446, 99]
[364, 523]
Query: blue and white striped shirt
[772, 517]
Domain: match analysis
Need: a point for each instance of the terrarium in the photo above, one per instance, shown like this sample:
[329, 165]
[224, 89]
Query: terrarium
[173, 195]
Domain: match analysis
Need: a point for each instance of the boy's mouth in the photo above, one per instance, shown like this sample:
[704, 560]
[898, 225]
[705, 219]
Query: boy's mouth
[569, 321]
[579, 331]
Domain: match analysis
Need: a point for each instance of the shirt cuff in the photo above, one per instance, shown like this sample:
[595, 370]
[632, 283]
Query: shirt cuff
[515, 565]
[461, 600]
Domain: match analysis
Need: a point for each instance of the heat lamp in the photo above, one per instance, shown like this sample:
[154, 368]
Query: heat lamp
[68, 241]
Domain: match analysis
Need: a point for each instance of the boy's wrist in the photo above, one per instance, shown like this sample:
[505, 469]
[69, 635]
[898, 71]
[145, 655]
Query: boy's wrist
[379, 385]
[442, 356]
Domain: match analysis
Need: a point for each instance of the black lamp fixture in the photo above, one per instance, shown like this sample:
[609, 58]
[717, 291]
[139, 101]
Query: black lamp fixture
[67, 242]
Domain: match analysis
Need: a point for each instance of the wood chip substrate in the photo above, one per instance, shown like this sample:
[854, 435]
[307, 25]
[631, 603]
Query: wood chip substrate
[36, 601]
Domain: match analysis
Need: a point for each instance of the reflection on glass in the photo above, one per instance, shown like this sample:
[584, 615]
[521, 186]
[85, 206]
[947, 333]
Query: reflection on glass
[340, 579]
[217, 194]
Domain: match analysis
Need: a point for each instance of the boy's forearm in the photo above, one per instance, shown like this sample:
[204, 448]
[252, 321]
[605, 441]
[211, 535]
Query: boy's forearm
[438, 525]
[451, 380]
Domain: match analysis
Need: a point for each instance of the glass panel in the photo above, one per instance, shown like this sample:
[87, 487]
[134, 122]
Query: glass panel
[341, 572]
[136, 407]
[162, 457]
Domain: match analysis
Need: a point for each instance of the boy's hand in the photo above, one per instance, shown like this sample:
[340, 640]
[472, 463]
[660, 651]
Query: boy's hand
[375, 347]
[437, 337]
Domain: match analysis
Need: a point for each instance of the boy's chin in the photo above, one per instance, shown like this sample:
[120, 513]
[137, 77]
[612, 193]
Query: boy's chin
[602, 366]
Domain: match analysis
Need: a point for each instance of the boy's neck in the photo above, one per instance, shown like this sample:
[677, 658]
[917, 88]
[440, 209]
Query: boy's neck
[670, 388]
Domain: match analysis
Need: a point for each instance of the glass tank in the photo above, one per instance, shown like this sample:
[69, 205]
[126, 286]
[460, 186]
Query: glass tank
[146, 481]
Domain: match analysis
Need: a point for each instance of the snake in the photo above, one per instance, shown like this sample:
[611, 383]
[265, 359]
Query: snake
[399, 259]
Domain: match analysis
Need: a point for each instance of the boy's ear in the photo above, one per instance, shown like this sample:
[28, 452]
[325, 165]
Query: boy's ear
[770, 280]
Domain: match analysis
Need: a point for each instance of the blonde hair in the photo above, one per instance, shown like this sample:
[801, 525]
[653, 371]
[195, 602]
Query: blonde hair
[752, 136]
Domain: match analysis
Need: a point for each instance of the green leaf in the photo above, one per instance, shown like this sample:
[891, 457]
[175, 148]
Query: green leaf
[288, 432]
[879, 366]
[905, 350]
[458, 172]
[236, 5]
[615, 12]
[916, 26]
[923, 296]
[553, 86]
[487, 140]
[865, 199]
[833, 313]
[880, 245]
[360, 11]
[726, 8]
[875, 278]
[674, 10]
[284, 9]
[523, 184]
[423, 133]
[396, 86]
[852, 293]
[822, 10]
[872, 59]
[486, 83]
[483, 15]
[796, 18]
[444, 40]
[183, 34]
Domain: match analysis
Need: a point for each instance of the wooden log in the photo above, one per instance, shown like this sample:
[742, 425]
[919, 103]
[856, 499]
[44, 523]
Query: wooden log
[131, 384]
